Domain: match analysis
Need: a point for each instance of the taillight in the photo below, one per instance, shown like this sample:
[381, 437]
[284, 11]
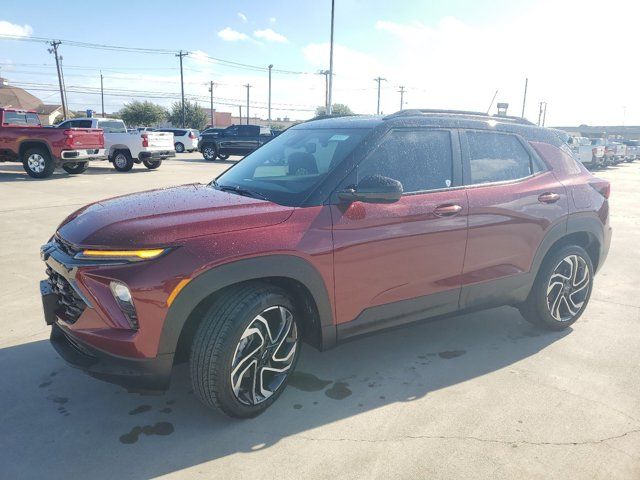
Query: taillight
[192, 135]
[68, 141]
[603, 187]
[145, 140]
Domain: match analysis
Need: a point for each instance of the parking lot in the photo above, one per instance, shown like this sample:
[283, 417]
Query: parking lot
[482, 395]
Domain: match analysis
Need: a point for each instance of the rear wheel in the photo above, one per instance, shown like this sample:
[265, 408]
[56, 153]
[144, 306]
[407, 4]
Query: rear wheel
[179, 147]
[562, 289]
[122, 161]
[245, 349]
[223, 157]
[75, 167]
[38, 163]
[152, 164]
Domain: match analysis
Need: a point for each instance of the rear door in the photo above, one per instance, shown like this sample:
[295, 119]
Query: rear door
[514, 200]
[402, 261]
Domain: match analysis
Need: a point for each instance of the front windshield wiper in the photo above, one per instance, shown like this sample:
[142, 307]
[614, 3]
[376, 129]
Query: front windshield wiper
[239, 190]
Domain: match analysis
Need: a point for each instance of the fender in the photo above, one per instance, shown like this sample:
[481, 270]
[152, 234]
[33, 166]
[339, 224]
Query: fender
[36, 143]
[213, 280]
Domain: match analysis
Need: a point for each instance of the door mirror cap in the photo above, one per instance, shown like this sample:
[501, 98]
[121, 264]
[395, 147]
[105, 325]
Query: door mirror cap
[373, 189]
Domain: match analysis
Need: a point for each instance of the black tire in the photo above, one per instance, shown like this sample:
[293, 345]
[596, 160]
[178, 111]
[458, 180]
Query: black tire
[537, 309]
[210, 151]
[179, 147]
[122, 161]
[38, 163]
[223, 157]
[152, 164]
[217, 342]
[75, 167]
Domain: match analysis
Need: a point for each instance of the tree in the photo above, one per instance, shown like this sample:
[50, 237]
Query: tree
[143, 114]
[194, 115]
[338, 109]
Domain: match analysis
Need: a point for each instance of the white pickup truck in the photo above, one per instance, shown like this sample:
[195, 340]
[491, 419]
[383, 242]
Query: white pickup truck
[589, 154]
[126, 148]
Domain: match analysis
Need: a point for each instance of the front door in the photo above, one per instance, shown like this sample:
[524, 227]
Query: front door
[402, 261]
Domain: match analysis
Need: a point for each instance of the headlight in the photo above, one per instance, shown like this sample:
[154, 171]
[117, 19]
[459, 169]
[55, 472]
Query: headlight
[130, 255]
[122, 294]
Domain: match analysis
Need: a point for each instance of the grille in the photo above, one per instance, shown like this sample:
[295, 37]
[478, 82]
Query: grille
[70, 305]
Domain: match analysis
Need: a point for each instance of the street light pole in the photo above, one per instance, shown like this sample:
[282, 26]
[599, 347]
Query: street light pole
[329, 95]
[524, 99]
[378, 79]
[269, 115]
[102, 94]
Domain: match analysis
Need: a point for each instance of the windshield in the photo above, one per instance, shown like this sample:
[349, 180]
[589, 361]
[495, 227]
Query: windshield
[288, 168]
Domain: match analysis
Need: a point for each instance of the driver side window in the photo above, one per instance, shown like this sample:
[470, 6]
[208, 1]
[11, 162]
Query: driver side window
[420, 159]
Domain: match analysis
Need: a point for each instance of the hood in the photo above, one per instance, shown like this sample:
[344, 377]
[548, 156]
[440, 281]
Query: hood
[164, 217]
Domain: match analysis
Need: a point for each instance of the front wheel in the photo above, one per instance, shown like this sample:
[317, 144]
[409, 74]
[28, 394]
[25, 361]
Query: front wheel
[152, 164]
[245, 349]
[562, 289]
[38, 163]
[209, 152]
[75, 167]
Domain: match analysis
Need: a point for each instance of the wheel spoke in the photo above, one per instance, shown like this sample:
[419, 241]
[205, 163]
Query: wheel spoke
[572, 311]
[555, 305]
[573, 305]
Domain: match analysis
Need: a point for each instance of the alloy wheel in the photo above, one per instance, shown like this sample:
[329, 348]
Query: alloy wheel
[209, 153]
[264, 355]
[36, 163]
[120, 160]
[568, 288]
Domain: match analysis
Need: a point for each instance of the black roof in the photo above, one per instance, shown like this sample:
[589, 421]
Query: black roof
[441, 118]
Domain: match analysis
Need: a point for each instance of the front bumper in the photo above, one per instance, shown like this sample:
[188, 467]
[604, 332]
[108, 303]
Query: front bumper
[83, 155]
[133, 374]
[157, 155]
[64, 304]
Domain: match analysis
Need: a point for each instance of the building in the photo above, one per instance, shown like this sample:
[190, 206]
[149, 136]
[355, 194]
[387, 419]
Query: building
[226, 119]
[14, 97]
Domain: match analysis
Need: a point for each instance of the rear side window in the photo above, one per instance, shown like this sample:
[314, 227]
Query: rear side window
[495, 157]
[21, 118]
[112, 126]
[419, 159]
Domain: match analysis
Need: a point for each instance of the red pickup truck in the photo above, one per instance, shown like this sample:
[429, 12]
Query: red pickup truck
[41, 150]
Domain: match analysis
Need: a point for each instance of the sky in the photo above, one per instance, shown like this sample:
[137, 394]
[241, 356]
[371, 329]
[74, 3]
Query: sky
[579, 56]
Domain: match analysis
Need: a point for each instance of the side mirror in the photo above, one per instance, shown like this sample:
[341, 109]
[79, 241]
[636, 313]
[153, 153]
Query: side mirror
[373, 189]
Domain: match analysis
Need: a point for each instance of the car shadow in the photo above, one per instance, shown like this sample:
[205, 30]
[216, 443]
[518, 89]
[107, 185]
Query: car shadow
[59, 420]
[15, 173]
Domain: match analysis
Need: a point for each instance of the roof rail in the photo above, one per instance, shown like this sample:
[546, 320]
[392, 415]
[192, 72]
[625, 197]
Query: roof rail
[465, 113]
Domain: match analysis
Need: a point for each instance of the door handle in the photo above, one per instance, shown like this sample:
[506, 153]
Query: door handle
[549, 197]
[448, 210]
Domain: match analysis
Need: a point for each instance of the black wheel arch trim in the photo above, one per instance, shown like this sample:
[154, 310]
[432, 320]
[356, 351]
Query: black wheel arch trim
[217, 278]
[27, 143]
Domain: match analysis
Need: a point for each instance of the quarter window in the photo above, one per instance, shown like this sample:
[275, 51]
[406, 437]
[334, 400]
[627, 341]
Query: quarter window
[495, 157]
[419, 159]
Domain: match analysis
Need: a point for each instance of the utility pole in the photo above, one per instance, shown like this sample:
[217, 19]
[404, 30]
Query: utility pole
[54, 44]
[102, 93]
[379, 79]
[524, 99]
[544, 115]
[211, 107]
[182, 54]
[326, 89]
[248, 87]
[240, 114]
[64, 85]
[401, 97]
[329, 99]
[269, 115]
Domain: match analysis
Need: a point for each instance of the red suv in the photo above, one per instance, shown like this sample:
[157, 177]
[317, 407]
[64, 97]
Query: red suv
[335, 228]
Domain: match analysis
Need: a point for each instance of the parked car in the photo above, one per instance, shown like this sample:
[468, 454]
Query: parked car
[589, 155]
[234, 140]
[336, 228]
[633, 150]
[126, 148]
[146, 129]
[184, 139]
[616, 151]
[41, 150]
